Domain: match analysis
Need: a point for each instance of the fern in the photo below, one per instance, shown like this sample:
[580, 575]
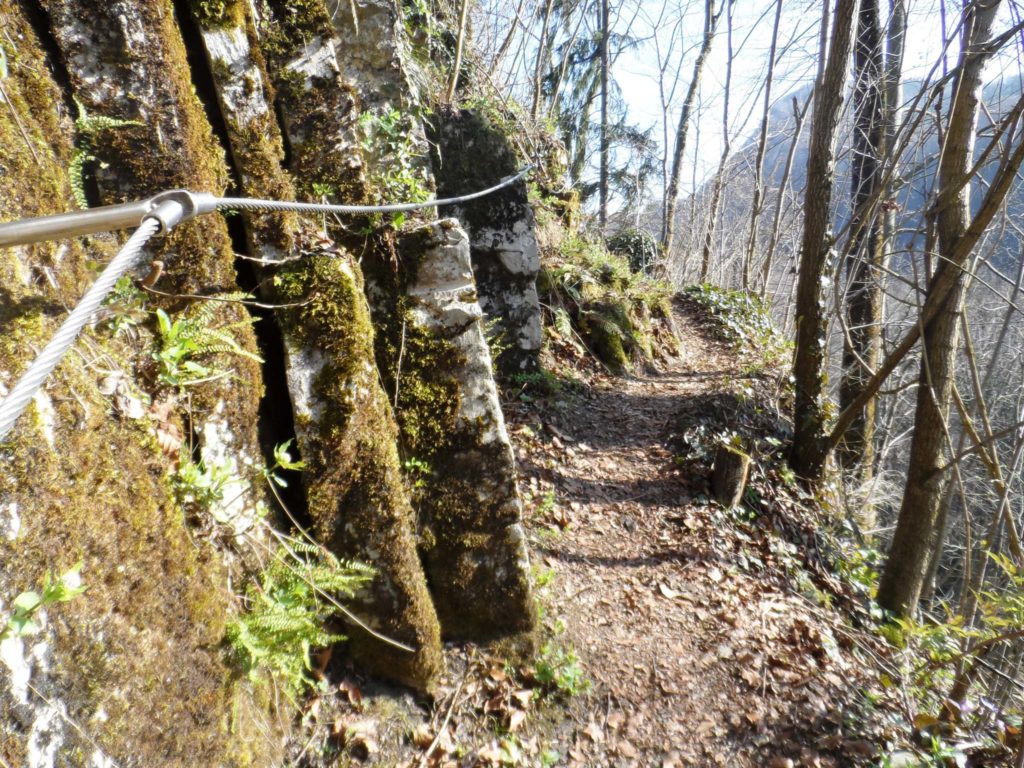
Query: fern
[88, 127]
[287, 612]
[185, 341]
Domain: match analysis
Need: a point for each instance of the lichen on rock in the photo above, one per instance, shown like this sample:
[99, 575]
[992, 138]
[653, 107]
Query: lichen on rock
[501, 226]
[80, 483]
[356, 499]
[355, 496]
[435, 363]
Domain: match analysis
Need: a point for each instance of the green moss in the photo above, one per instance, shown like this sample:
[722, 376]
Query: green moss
[145, 637]
[624, 317]
[463, 486]
[356, 498]
[607, 339]
[214, 14]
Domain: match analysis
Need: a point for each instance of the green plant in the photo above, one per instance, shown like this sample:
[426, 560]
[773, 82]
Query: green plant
[398, 172]
[125, 307]
[283, 461]
[417, 16]
[741, 319]
[89, 127]
[184, 342]
[287, 610]
[559, 669]
[497, 341]
[418, 470]
[203, 483]
[21, 622]
[541, 383]
[639, 247]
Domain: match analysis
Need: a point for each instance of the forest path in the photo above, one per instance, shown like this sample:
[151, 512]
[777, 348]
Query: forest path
[699, 649]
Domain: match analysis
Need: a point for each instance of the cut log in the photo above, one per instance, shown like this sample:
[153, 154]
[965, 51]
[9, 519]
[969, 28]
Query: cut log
[729, 476]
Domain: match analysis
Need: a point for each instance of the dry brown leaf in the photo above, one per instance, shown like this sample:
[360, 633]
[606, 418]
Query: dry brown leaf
[516, 718]
[594, 732]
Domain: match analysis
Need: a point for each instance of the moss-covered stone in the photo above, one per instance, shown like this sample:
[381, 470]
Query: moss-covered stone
[500, 226]
[126, 60]
[78, 484]
[433, 357]
[319, 109]
[356, 498]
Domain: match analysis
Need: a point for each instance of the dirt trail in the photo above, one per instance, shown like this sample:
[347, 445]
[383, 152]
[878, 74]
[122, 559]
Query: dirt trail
[700, 650]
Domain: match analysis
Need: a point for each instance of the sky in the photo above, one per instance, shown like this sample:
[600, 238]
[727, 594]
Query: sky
[636, 71]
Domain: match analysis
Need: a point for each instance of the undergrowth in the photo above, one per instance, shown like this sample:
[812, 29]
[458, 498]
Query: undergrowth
[742, 320]
[595, 298]
[288, 608]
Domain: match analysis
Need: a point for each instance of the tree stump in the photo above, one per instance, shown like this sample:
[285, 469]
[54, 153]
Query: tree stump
[729, 475]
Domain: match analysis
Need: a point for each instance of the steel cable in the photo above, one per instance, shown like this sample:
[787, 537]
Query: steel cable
[156, 219]
[19, 397]
[253, 204]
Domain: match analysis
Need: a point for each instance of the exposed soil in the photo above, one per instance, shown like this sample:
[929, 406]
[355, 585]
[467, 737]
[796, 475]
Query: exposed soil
[709, 636]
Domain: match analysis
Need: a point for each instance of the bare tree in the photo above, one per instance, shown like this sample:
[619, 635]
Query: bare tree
[711, 17]
[906, 568]
[762, 144]
[716, 189]
[605, 136]
[865, 255]
[807, 456]
[543, 54]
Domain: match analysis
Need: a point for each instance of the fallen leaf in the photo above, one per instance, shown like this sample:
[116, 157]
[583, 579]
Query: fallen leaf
[515, 720]
[422, 737]
[594, 731]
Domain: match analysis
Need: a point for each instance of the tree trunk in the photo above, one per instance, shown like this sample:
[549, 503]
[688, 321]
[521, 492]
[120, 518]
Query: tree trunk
[865, 255]
[668, 225]
[729, 476]
[605, 137]
[542, 57]
[808, 454]
[459, 44]
[799, 116]
[716, 194]
[917, 528]
[757, 203]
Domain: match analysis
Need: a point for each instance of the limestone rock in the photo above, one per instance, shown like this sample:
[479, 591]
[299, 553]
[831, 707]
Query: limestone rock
[435, 362]
[354, 489]
[501, 228]
[355, 494]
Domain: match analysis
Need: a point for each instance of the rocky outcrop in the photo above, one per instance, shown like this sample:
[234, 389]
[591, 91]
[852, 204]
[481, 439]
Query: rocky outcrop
[354, 490]
[126, 61]
[95, 470]
[355, 495]
[82, 480]
[436, 365]
[471, 153]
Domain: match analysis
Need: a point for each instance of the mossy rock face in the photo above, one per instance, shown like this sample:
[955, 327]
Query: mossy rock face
[319, 109]
[346, 432]
[245, 97]
[435, 361]
[356, 497]
[126, 60]
[500, 226]
[79, 484]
